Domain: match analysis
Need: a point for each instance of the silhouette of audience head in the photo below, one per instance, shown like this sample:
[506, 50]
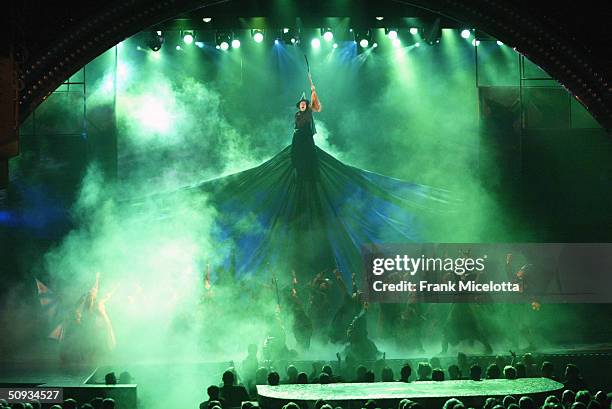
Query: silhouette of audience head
[369, 377]
[452, 403]
[261, 376]
[302, 378]
[371, 404]
[491, 403]
[475, 372]
[96, 403]
[526, 402]
[547, 369]
[108, 403]
[424, 371]
[454, 372]
[437, 375]
[110, 379]
[493, 372]
[125, 378]
[273, 378]
[462, 360]
[69, 404]
[319, 403]
[405, 373]
[509, 372]
[292, 374]
[228, 378]
[567, 398]
[602, 398]
[528, 359]
[551, 400]
[324, 378]
[386, 375]
[213, 392]
[361, 371]
[572, 373]
[404, 404]
[435, 362]
[508, 400]
[521, 370]
[583, 396]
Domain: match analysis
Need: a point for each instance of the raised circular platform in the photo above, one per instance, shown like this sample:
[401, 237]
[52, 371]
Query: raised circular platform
[388, 394]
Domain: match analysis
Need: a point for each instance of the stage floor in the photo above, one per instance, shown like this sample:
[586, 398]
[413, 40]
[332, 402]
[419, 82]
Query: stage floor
[410, 390]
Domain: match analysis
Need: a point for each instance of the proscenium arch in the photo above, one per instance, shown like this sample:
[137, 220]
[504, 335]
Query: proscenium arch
[42, 70]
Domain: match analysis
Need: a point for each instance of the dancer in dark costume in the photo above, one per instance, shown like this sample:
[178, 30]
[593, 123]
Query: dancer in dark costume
[89, 335]
[463, 322]
[360, 347]
[350, 306]
[302, 324]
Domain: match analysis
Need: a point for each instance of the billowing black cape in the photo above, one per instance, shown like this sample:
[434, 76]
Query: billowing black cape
[278, 217]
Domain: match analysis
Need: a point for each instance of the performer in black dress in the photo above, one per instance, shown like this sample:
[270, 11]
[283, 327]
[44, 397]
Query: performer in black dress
[308, 211]
[303, 152]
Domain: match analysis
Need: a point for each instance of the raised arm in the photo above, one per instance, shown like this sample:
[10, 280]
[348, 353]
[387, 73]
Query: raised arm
[315, 104]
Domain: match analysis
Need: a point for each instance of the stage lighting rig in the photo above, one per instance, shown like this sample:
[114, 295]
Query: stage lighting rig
[223, 39]
[155, 39]
[290, 35]
[391, 33]
[327, 34]
[433, 32]
[363, 37]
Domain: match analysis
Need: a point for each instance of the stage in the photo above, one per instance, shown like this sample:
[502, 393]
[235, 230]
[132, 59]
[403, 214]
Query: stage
[388, 394]
[187, 380]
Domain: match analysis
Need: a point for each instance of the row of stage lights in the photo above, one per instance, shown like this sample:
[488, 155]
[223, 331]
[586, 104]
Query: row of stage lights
[225, 40]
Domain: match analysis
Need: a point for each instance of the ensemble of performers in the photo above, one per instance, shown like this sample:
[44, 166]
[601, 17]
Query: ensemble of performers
[319, 307]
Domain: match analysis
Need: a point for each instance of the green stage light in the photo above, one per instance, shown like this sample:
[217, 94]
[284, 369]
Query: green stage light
[335, 45]
[499, 43]
[315, 43]
[188, 37]
[364, 43]
[466, 33]
[224, 45]
[258, 36]
[328, 35]
[392, 34]
[235, 43]
[475, 43]
[414, 31]
[396, 42]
